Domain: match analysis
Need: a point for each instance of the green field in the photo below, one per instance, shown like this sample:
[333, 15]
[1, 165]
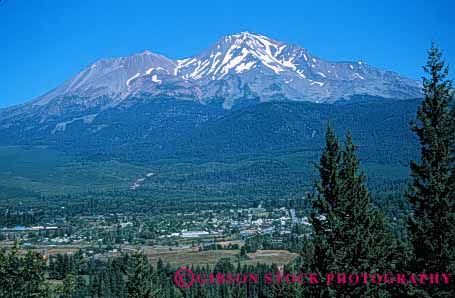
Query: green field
[210, 258]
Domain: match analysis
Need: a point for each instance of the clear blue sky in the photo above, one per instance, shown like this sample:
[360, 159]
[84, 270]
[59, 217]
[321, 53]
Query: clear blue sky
[45, 42]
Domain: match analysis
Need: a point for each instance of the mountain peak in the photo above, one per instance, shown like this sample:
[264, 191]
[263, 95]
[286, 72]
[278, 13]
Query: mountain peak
[235, 54]
[247, 35]
[266, 68]
[244, 33]
[250, 39]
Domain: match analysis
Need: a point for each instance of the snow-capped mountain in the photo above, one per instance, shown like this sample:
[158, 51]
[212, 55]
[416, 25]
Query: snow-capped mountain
[147, 106]
[111, 77]
[238, 66]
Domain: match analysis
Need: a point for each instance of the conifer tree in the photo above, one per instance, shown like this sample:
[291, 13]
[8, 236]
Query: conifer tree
[22, 277]
[349, 234]
[363, 240]
[68, 288]
[139, 284]
[324, 201]
[432, 191]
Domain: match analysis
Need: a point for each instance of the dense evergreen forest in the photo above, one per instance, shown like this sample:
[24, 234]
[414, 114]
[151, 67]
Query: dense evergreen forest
[352, 231]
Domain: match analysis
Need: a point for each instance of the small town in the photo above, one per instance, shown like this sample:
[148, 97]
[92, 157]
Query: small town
[226, 230]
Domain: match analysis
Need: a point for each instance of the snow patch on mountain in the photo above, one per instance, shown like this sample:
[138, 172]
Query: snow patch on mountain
[155, 79]
[60, 127]
[132, 78]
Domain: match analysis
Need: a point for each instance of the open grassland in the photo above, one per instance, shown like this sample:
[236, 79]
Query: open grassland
[176, 257]
[211, 257]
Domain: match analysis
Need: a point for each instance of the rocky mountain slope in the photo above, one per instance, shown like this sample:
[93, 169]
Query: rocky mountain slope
[238, 66]
[147, 106]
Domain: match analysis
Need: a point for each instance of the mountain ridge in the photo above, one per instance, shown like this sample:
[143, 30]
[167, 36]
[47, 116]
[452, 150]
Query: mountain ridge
[145, 105]
[237, 66]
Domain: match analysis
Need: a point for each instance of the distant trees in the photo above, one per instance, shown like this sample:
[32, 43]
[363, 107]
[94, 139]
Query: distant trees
[61, 265]
[432, 192]
[139, 278]
[22, 276]
[243, 253]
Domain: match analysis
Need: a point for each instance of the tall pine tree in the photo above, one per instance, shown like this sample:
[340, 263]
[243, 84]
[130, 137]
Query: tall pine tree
[324, 202]
[431, 194]
[22, 276]
[139, 273]
[349, 234]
